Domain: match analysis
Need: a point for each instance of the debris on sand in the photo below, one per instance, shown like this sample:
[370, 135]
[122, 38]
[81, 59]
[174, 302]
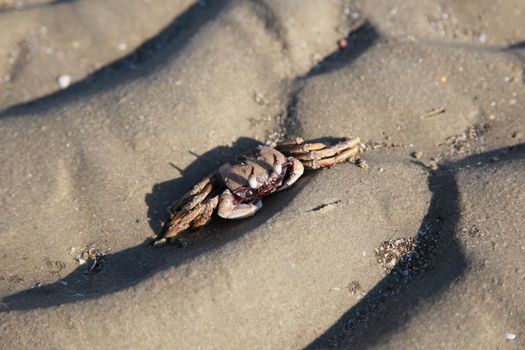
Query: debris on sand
[260, 98]
[389, 253]
[324, 206]
[471, 231]
[433, 112]
[55, 267]
[355, 288]
[461, 144]
[91, 256]
[361, 163]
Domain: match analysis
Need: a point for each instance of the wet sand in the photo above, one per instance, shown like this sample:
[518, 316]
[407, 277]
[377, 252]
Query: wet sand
[421, 249]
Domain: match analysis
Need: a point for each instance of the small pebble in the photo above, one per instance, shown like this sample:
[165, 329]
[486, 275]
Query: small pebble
[416, 155]
[354, 287]
[381, 170]
[64, 81]
[122, 46]
[361, 163]
[342, 43]
[483, 37]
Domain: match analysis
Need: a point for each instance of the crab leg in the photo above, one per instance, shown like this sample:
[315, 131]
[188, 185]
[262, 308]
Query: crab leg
[182, 221]
[198, 198]
[189, 196]
[193, 210]
[209, 206]
[328, 162]
[229, 208]
[329, 151]
[290, 142]
[320, 155]
[301, 148]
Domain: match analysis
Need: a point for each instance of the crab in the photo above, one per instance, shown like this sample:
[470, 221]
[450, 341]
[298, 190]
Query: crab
[235, 190]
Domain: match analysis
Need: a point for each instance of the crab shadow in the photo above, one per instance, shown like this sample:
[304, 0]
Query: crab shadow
[130, 266]
[439, 260]
[165, 193]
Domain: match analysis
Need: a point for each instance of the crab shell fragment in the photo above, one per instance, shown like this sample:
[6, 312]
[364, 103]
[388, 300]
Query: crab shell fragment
[237, 187]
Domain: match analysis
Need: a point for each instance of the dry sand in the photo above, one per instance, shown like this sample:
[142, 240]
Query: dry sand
[46, 45]
[436, 89]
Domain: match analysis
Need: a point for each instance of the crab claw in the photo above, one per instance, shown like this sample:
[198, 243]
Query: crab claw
[230, 208]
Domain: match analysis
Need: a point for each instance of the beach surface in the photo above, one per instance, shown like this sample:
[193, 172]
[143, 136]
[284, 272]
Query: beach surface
[110, 111]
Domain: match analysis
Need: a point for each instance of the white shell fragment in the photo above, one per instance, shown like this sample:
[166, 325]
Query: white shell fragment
[510, 336]
[64, 81]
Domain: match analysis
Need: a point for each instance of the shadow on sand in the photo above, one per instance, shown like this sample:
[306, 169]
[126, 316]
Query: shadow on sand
[438, 260]
[128, 267]
[158, 51]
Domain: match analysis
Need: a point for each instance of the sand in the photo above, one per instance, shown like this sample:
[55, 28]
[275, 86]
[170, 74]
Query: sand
[44, 43]
[434, 88]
